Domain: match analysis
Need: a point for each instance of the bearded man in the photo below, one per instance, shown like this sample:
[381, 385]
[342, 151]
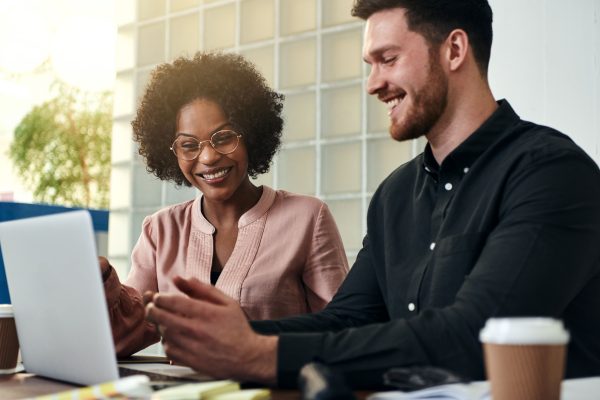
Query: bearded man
[497, 217]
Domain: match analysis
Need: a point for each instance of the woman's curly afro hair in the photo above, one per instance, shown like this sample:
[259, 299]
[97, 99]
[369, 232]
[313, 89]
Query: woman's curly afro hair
[226, 79]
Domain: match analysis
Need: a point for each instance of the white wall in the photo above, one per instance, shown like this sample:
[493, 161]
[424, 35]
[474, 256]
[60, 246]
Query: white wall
[546, 62]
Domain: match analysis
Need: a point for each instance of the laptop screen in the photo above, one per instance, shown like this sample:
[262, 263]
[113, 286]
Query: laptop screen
[58, 298]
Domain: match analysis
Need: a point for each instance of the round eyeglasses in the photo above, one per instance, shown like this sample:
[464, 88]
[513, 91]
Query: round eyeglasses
[188, 148]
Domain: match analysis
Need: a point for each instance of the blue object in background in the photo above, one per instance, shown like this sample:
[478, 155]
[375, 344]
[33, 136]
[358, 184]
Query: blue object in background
[10, 211]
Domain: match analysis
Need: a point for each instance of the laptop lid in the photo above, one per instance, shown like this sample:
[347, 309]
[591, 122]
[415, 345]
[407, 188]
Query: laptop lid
[58, 299]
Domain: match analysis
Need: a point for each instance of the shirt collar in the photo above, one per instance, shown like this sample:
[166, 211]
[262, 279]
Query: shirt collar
[258, 210]
[492, 130]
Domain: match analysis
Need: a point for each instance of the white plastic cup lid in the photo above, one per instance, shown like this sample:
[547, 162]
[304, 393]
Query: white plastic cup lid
[6, 311]
[524, 331]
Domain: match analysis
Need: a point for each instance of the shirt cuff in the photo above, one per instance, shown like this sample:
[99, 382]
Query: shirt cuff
[294, 351]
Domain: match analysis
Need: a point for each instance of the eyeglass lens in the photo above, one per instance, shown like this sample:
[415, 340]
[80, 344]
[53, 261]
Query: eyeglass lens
[188, 148]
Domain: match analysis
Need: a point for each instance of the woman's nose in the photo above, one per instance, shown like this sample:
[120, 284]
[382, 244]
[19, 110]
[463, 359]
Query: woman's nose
[208, 155]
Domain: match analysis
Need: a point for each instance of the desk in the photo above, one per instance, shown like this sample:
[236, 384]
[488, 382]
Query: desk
[22, 385]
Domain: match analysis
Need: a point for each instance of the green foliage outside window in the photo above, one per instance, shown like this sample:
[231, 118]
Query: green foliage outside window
[61, 149]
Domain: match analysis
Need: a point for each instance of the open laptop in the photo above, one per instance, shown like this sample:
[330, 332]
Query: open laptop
[58, 299]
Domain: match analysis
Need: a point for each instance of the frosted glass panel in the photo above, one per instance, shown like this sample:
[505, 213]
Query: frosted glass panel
[264, 179]
[119, 233]
[257, 20]
[151, 8]
[178, 5]
[351, 260]
[125, 49]
[341, 111]
[348, 217]
[342, 55]
[297, 170]
[124, 97]
[179, 194]
[262, 57]
[142, 78]
[151, 46]
[383, 156]
[341, 168]
[147, 188]
[377, 119]
[121, 264]
[298, 63]
[125, 11]
[337, 12]
[185, 36]
[219, 27]
[120, 186]
[297, 16]
[299, 112]
[121, 144]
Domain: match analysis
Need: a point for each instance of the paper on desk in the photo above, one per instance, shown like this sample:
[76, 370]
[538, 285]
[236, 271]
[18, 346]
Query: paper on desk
[571, 389]
[456, 391]
[135, 386]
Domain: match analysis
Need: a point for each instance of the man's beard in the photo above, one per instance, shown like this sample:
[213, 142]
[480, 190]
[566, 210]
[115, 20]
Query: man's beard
[428, 105]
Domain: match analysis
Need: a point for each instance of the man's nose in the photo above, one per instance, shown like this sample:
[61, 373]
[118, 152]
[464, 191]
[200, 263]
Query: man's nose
[375, 81]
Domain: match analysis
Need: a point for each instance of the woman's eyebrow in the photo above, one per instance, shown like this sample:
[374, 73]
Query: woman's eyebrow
[217, 129]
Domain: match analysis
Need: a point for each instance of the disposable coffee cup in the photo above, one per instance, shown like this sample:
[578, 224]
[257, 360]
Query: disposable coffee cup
[524, 357]
[9, 344]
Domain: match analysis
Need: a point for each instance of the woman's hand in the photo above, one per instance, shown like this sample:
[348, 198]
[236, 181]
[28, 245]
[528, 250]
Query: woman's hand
[208, 331]
[105, 267]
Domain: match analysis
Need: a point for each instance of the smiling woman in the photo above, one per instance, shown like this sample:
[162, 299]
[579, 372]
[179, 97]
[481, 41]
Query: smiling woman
[212, 122]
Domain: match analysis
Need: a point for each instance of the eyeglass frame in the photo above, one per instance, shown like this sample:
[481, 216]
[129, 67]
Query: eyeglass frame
[202, 142]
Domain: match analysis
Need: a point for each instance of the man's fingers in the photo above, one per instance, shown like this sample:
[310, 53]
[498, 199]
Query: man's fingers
[201, 291]
[147, 297]
[182, 305]
[167, 320]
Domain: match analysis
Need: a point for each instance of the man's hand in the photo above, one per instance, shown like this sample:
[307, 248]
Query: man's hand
[208, 331]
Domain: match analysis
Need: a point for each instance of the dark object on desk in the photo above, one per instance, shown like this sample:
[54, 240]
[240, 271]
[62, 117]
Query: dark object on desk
[144, 359]
[318, 382]
[415, 378]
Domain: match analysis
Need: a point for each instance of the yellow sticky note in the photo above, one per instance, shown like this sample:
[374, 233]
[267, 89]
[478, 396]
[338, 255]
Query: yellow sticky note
[196, 391]
[246, 394]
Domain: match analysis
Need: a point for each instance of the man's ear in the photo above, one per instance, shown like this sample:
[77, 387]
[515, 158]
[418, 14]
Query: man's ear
[456, 49]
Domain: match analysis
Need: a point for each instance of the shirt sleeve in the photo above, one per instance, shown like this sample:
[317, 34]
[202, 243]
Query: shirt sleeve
[542, 252]
[326, 263]
[131, 332]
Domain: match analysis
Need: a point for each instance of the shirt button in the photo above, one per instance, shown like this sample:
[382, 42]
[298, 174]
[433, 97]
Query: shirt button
[411, 307]
[466, 169]
[432, 246]
[448, 186]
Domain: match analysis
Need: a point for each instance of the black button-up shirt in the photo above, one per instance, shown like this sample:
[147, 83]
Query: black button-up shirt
[507, 225]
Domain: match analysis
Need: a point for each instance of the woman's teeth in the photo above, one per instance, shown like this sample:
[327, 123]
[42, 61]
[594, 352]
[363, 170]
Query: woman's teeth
[216, 175]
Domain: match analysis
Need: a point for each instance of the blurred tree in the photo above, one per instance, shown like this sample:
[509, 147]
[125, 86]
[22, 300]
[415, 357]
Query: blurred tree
[61, 148]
